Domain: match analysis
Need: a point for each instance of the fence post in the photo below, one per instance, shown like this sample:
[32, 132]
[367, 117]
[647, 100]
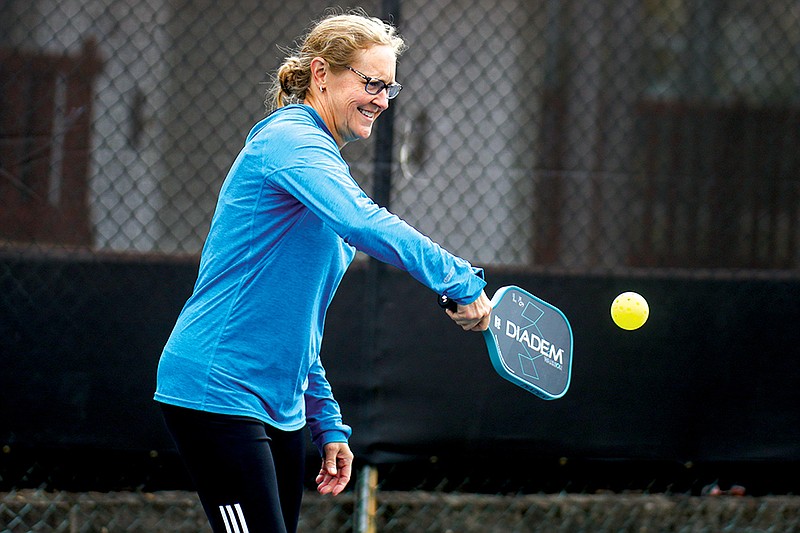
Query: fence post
[366, 500]
[381, 194]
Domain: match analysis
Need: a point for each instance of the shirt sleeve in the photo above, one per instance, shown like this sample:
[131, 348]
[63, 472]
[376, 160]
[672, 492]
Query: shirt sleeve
[323, 415]
[322, 182]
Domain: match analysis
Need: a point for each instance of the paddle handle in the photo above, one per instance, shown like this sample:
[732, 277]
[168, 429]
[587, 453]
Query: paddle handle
[447, 303]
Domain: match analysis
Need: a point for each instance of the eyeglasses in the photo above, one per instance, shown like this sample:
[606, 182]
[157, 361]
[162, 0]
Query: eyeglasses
[375, 86]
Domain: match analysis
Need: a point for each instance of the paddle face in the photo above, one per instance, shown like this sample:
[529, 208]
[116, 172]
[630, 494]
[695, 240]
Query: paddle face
[530, 343]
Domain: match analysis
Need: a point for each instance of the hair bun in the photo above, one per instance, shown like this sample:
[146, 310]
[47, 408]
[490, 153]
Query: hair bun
[287, 75]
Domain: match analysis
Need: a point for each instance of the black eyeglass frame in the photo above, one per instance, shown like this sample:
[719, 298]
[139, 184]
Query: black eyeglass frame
[392, 89]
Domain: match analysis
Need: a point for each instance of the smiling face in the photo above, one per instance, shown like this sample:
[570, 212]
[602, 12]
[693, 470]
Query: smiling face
[347, 108]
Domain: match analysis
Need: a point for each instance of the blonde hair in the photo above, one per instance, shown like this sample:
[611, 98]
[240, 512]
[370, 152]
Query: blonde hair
[337, 38]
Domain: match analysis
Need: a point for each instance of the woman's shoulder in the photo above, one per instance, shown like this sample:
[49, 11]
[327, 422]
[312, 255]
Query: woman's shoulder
[290, 121]
[292, 137]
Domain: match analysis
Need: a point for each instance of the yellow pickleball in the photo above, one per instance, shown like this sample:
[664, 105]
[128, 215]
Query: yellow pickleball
[629, 310]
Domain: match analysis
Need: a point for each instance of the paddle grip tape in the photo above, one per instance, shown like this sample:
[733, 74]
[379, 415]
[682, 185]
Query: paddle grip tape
[447, 303]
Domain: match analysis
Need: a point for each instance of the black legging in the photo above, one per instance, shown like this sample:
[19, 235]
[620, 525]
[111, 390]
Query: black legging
[248, 475]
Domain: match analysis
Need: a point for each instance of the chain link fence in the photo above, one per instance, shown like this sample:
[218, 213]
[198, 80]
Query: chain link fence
[577, 134]
[557, 135]
[411, 511]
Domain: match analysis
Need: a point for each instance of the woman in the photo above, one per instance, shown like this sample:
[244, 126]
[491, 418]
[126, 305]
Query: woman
[240, 376]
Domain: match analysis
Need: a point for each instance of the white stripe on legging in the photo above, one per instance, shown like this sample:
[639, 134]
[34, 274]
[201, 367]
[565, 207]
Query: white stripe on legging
[241, 518]
[233, 521]
[225, 518]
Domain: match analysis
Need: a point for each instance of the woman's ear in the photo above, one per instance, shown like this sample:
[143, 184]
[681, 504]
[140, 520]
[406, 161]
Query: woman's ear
[319, 73]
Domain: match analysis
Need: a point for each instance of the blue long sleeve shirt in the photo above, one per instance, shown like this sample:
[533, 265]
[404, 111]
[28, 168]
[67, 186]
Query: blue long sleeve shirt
[288, 221]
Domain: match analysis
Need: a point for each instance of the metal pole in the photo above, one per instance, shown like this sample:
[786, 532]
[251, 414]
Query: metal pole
[382, 187]
[367, 485]
[367, 500]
